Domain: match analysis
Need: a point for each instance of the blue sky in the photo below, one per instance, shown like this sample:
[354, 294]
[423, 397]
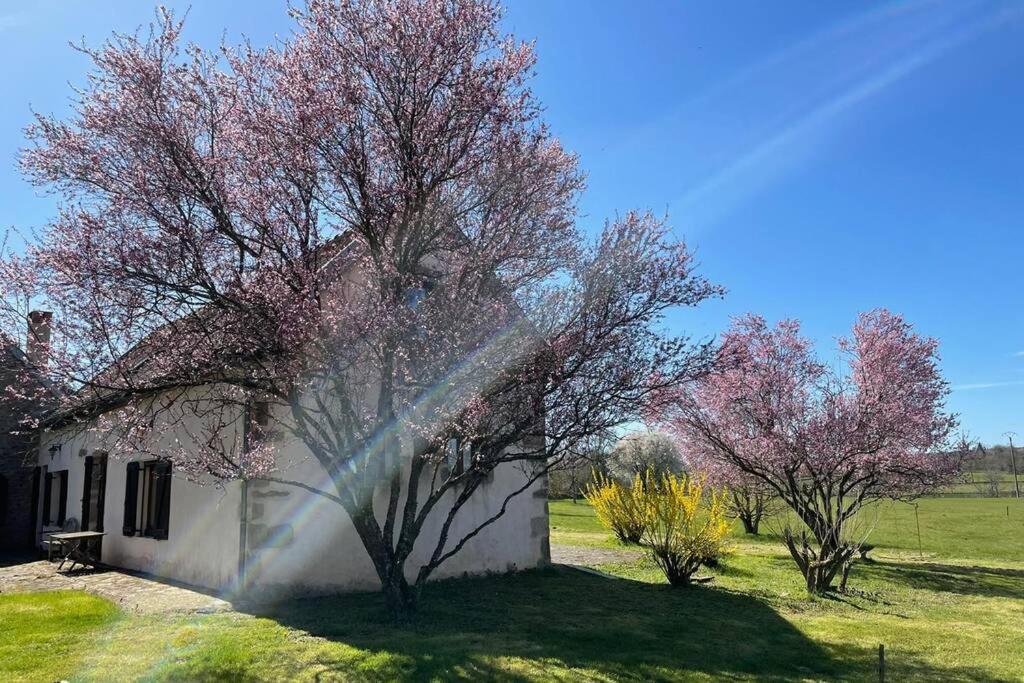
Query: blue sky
[821, 158]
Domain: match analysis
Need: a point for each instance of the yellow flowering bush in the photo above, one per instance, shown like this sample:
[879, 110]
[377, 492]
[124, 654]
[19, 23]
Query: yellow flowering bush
[617, 507]
[685, 525]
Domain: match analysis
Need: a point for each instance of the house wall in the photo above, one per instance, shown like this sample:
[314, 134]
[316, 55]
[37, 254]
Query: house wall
[297, 542]
[202, 543]
[300, 542]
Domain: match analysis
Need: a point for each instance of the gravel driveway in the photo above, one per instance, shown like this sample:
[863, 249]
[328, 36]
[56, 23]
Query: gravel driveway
[591, 557]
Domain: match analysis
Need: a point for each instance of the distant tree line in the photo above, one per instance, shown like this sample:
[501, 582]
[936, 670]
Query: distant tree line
[990, 470]
[992, 459]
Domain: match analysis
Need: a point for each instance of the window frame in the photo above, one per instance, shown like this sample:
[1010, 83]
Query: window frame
[61, 477]
[147, 508]
[459, 454]
[256, 425]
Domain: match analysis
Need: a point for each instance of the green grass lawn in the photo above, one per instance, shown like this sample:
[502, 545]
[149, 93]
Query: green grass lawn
[956, 614]
[949, 606]
[44, 636]
[952, 528]
[977, 483]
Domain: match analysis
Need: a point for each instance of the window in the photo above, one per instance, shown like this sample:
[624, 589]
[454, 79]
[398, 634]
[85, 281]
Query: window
[55, 498]
[415, 295]
[257, 422]
[460, 455]
[147, 499]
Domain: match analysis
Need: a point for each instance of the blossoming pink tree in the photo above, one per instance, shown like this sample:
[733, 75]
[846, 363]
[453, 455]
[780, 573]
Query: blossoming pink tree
[825, 441]
[749, 498]
[368, 231]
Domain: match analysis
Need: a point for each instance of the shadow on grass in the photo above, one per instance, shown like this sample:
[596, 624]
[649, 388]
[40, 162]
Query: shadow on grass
[547, 622]
[537, 625]
[563, 618]
[951, 578]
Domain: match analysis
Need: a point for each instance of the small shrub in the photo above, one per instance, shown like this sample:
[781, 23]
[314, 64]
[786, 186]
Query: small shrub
[617, 507]
[685, 526]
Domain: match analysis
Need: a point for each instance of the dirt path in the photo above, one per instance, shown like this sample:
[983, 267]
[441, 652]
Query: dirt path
[591, 557]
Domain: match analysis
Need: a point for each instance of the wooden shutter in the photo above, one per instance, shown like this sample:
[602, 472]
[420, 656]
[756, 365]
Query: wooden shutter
[62, 502]
[101, 497]
[86, 492]
[47, 497]
[37, 478]
[162, 494]
[131, 498]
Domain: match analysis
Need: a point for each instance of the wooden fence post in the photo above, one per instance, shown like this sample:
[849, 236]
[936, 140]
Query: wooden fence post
[917, 519]
[881, 663]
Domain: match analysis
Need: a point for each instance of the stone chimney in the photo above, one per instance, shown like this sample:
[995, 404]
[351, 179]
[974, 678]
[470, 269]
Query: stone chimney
[37, 346]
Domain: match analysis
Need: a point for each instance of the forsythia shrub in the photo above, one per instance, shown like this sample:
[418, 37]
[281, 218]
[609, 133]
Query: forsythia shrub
[686, 525]
[617, 507]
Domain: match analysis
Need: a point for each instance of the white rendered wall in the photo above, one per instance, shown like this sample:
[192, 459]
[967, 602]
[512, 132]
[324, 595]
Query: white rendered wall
[202, 544]
[298, 542]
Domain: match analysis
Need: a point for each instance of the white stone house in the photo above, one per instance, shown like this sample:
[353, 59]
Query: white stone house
[287, 539]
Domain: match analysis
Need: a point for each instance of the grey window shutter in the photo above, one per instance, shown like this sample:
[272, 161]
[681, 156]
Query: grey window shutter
[62, 502]
[162, 486]
[88, 492]
[101, 500]
[47, 497]
[131, 498]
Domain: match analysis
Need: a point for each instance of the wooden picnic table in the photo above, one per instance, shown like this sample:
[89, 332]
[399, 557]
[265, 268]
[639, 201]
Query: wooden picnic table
[74, 545]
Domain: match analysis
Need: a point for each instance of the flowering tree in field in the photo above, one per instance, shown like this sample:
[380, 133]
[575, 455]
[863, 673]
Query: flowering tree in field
[367, 230]
[748, 498]
[644, 453]
[824, 442]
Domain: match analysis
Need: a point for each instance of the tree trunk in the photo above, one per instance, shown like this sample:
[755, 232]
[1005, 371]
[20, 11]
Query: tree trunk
[819, 566]
[820, 574]
[846, 575]
[388, 560]
[751, 523]
[749, 508]
[400, 597]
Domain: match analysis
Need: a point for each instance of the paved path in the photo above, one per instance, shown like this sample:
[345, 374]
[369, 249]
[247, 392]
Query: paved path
[132, 592]
[591, 557]
[148, 595]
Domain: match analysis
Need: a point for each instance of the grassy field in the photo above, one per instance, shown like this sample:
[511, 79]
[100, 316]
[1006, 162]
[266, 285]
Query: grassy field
[977, 484]
[949, 606]
[951, 528]
[955, 614]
